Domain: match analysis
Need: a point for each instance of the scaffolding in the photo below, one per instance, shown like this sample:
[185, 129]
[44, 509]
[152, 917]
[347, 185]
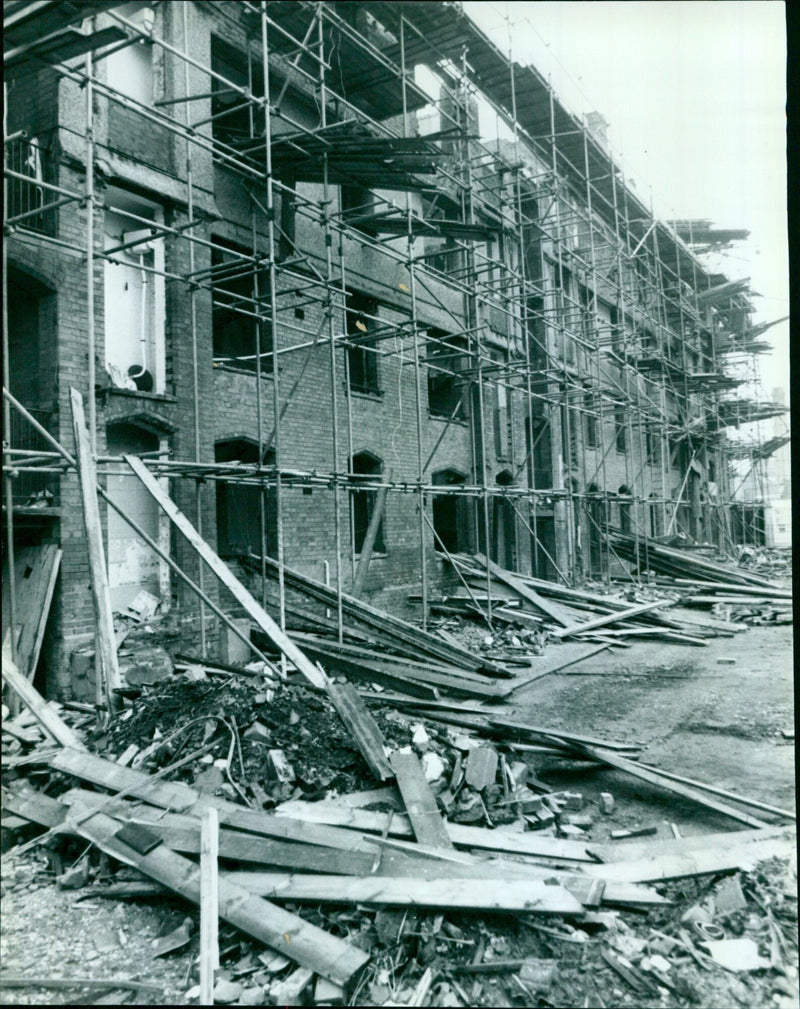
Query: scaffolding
[606, 350]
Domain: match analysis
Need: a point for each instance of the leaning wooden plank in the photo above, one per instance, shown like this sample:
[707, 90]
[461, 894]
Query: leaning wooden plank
[44, 612]
[363, 727]
[177, 796]
[37, 705]
[420, 802]
[250, 605]
[108, 671]
[209, 904]
[534, 896]
[35, 572]
[654, 778]
[461, 835]
[558, 613]
[295, 938]
[698, 862]
[611, 618]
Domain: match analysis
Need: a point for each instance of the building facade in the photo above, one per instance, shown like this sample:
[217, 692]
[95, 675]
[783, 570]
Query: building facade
[269, 247]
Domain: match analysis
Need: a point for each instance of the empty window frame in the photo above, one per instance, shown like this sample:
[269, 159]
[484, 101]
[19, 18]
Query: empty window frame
[240, 305]
[134, 298]
[446, 389]
[450, 514]
[365, 467]
[652, 445]
[591, 417]
[362, 359]
[625, 506]
[239, 505]
[356, 201]
[502, 420]
[235, 121]
[620, 430]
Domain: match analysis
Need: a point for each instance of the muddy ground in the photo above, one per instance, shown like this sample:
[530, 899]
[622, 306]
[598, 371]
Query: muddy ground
[694, 711]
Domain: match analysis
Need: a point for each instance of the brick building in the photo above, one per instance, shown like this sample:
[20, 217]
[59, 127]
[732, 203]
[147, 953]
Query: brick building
[311, 276]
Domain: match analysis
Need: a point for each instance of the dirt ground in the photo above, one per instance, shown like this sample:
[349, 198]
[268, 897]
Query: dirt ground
[694, 711]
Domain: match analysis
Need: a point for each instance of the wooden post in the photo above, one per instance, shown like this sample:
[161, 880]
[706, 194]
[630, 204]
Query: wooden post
[209, 904]
[107, 667]
[369, 539]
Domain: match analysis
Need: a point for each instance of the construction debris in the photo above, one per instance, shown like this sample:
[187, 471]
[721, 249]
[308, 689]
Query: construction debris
[329, 842]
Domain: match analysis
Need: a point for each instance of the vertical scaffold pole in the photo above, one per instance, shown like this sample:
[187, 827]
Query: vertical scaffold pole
[7, 477]
[337, 511]
[198, 494]
[417, 389]
[276, 386]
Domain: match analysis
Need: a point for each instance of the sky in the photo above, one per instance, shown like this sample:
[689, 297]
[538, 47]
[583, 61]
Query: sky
[694, 93]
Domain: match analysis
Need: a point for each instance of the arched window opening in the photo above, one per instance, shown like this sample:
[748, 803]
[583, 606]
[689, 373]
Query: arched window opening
[365, 467]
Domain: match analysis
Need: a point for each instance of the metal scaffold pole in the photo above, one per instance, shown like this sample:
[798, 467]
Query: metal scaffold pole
[198, 491]
[8, 485]
[331, 337]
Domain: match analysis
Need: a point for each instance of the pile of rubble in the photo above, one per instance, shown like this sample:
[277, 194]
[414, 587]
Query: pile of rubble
[393, 853]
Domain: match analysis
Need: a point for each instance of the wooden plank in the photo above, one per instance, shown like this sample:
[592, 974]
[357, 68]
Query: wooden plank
[175, 795]
[623, 764]
[385, 626]
[426, 820]
[209, 904]
[743, 800]
[35, 572]
[461, 835]
[250, 605]
[477, 894]
[753, 590]
[44, 612]
[180, 832]
[47, 812]
[558, 613]
[107, 774]
[400, 677]
[34, 806]
[556, 666]
[108, 671]
[379, 656]
[697, 862]
[718, 841]
[611, 618]
[367, 547]
[37, 705]
[93, 983]
[307, 945]
[363, 727]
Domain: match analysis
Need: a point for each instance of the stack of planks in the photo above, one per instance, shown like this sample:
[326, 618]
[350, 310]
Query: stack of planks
[704, 583]
[577, 613]
[384, 649]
